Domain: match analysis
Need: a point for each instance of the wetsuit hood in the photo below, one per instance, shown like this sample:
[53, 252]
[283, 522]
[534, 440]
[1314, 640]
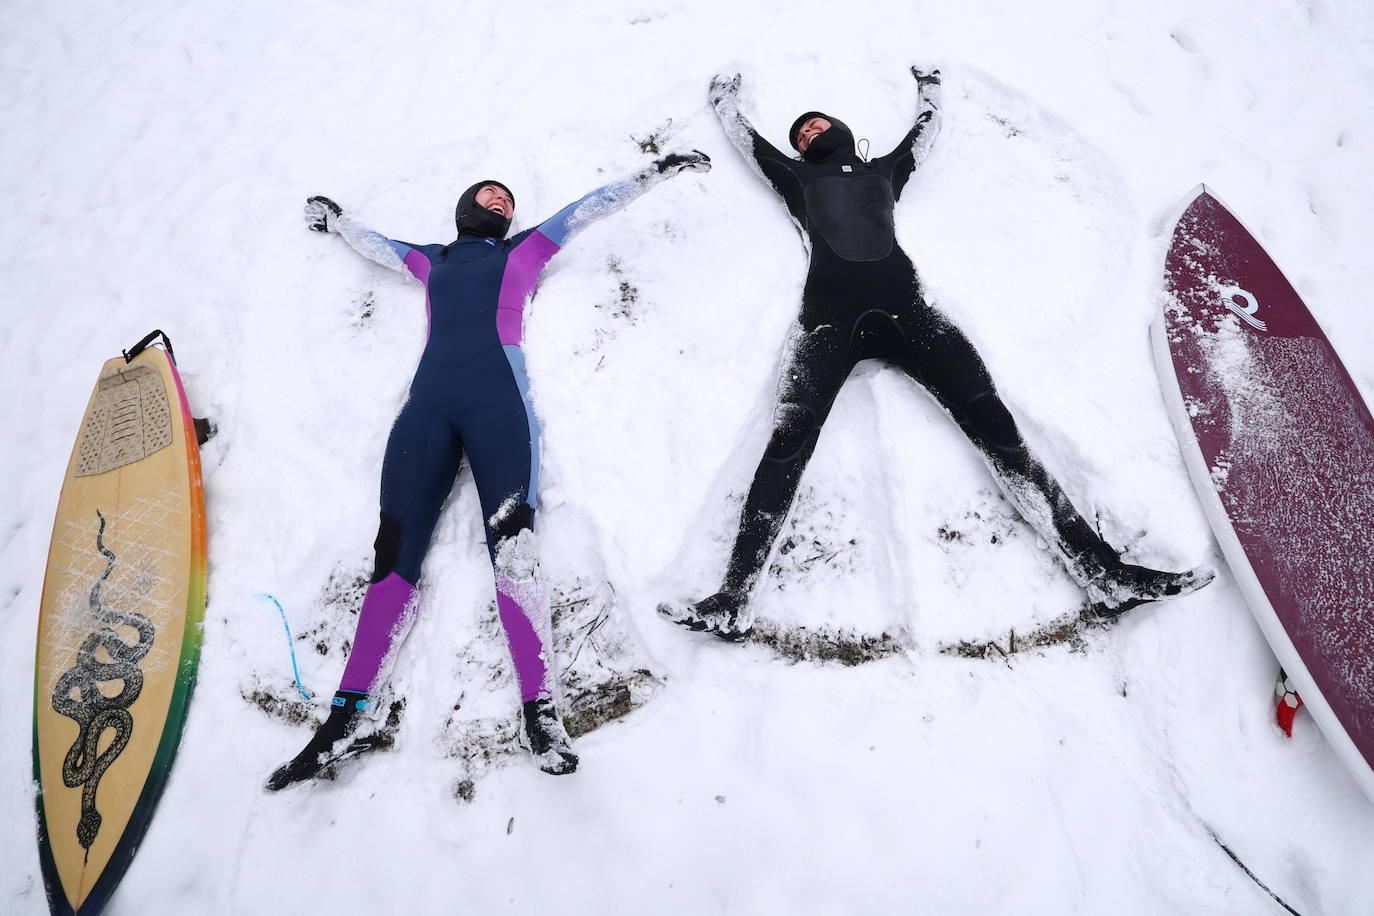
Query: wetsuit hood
[474, 219]
[838, 139]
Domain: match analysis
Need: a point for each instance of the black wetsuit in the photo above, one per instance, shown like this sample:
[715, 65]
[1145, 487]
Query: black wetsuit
[863, 300]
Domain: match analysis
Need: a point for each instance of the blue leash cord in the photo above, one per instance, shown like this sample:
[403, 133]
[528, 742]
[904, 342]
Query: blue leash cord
[290, 644]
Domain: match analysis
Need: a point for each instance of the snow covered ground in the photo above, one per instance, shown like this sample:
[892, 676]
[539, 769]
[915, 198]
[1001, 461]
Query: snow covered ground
[154, 162]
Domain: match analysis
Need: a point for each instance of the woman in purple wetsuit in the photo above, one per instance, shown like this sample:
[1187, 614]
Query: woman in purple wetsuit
[470, 395]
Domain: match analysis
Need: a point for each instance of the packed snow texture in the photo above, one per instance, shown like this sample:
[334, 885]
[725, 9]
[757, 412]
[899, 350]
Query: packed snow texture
[154, 166]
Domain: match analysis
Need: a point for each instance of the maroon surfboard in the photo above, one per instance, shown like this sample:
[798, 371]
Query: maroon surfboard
[1280, 447]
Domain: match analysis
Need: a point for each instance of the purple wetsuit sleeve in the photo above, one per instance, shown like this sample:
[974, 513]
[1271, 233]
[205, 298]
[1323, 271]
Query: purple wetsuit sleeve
[523, 267]
[415, 261]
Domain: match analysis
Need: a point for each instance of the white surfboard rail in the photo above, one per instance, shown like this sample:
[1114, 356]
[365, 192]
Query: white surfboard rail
[1236, 558]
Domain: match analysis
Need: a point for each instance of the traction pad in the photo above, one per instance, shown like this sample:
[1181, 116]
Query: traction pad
[129, 420]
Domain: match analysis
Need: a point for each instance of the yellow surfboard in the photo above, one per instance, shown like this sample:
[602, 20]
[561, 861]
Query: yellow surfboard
[119, 629]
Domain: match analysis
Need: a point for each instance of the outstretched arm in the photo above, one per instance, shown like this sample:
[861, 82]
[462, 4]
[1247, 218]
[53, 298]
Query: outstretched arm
[323, 215]
[617, 195]
[533, 248]
[777, 168]
[902, 161]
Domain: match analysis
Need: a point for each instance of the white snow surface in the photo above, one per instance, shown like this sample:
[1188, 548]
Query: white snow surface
[154, 164]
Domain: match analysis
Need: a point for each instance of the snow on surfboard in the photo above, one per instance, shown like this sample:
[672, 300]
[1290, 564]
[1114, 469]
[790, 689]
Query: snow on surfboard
[1280, 447]
[119, 626]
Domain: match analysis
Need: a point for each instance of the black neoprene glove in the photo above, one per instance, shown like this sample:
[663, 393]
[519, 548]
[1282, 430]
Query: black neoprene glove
[696, 160]
[723, 87]
[320, 212]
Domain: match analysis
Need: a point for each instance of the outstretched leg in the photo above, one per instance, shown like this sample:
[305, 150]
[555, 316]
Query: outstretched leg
[423, 455]
[503, 436]
[811, 377]
[940, 357]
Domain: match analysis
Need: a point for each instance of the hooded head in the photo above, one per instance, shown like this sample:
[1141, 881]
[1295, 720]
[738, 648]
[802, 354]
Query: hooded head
[838, 138]
[474, 219]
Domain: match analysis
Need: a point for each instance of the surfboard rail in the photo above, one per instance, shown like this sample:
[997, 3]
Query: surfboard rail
[120, 627]
[1202, 473]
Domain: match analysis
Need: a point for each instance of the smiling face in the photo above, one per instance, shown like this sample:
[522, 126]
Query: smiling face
[810, 130]
[495, 199]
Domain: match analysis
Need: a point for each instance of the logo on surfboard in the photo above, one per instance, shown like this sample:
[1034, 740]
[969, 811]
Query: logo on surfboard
[1232, 297]
[79, 697]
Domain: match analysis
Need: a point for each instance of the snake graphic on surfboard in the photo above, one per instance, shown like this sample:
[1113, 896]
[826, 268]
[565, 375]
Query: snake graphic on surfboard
[119, 627]
[1280, 447]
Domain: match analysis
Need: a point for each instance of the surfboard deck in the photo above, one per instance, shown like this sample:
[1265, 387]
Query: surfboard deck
[1280, 448]
[119, 628]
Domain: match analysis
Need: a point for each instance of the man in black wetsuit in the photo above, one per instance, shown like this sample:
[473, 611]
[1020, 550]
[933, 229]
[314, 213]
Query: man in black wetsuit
[863, 300]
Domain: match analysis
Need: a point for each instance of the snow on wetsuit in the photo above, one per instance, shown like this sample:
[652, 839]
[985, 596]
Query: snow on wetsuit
[863, 300]
[470, 395]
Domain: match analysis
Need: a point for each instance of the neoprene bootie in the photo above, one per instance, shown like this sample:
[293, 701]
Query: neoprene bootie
[724, 614]
[548, 739]
[323, 748]
[1122, 586]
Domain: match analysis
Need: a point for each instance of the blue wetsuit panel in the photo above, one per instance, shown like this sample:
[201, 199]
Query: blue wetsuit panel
[469, 395]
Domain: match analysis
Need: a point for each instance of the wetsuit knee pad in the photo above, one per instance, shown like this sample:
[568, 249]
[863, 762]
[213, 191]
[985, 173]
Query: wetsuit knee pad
[987, 420]
[511, 522]
[794, 428]
[514, 555]
[387, 547]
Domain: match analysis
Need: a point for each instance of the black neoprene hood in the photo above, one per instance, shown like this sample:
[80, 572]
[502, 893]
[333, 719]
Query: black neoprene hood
[797, 124]
[838, 138]
[477, 220]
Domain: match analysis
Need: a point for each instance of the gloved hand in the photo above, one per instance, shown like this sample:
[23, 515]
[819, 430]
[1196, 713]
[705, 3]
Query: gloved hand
[320, 214]
[723, 87]
[923, 78]
[674, 163]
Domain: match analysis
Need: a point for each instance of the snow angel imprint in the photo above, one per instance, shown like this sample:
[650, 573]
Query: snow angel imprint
[470, 395]
[863, 300]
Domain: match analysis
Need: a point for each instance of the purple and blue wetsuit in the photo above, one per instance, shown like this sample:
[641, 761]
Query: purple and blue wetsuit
[470, 395]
